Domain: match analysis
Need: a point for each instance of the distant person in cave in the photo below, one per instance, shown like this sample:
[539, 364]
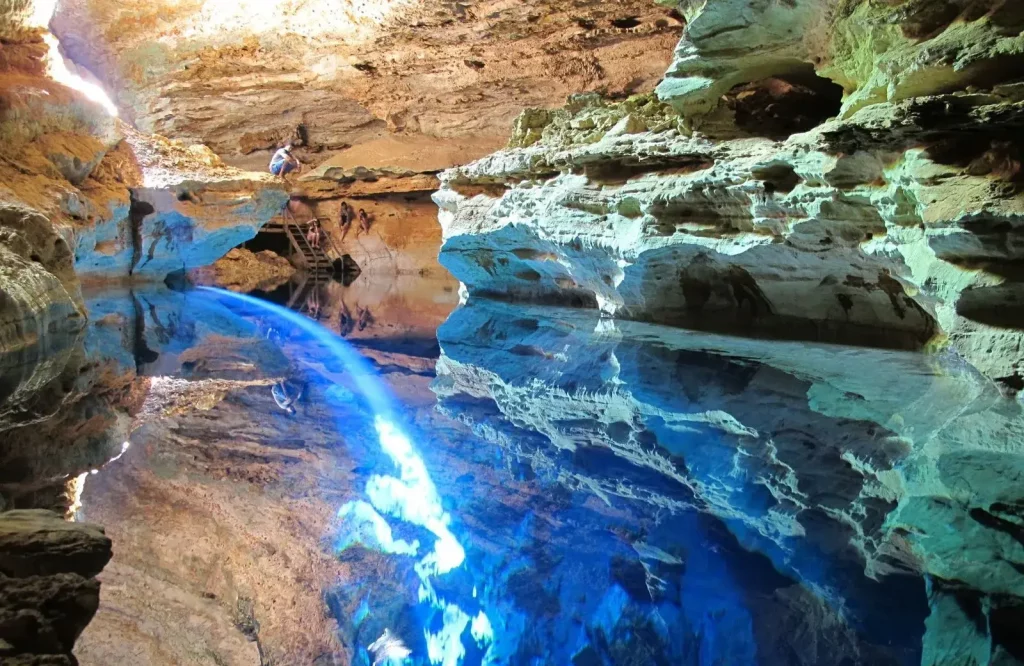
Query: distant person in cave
[347, 215]
[346, 322]
[313, 307]
[314, 232]
[284, 162]
[364, 222]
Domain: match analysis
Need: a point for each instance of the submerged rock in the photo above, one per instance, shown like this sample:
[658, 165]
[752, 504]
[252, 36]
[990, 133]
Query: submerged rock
[854, 484]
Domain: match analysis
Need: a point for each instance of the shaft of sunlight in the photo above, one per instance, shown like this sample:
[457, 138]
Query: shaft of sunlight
[411, 496]
[40, 15]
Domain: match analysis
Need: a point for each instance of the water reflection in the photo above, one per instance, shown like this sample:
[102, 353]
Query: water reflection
[540, 486]
[410, 496]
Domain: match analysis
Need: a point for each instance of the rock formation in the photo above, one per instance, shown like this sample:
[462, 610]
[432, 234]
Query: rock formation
[845, 171]
[245, 271]
[242, 78]
[48, 590]
[185, 210]
[84, 196]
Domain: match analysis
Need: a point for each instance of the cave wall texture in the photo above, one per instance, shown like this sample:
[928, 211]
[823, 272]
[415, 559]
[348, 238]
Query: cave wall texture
[832, 170]
[845, 171]
[85, 196]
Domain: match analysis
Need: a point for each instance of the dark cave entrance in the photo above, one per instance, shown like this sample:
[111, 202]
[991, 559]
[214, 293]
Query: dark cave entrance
[781, 106]
[274, 241]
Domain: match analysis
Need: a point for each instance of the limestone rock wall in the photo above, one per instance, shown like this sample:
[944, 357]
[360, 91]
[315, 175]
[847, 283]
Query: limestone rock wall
[795, 178]
[185, 209]
[84, 196]
[403, 236]
[244, 271]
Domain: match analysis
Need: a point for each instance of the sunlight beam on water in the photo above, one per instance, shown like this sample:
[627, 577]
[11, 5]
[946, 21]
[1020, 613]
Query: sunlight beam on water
[411, 496]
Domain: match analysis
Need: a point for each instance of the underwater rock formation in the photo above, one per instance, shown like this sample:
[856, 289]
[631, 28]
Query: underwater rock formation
[841, 479]
[830, 171]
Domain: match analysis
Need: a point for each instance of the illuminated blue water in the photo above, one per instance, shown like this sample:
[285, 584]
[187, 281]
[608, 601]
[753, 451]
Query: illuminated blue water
[572, 491]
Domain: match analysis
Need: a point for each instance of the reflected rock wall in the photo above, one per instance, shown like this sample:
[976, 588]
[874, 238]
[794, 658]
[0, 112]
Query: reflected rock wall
[85, 197]
[841, 479]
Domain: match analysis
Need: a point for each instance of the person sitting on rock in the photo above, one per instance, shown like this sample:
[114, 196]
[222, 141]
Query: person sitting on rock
[347, 214]
[283, 162]
[313, 234]
[364, 222]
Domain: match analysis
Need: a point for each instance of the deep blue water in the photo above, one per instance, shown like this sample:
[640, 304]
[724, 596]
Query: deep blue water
[586, 492]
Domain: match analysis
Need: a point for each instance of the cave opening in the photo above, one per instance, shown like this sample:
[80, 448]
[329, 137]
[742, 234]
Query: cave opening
[273, 241]
[780, 106]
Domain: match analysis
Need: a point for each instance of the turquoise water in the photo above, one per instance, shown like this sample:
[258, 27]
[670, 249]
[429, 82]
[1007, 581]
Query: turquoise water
[572, 490]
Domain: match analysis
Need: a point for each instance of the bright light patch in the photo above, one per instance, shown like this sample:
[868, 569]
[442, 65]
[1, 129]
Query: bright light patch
[410, 496]
[413, 497]
[481, 629]
[58, 70]
[367, 527]
[216, 18]
[74, 489]
[445, 647]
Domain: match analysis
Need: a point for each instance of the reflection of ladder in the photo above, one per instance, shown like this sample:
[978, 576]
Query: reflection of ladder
[316, 261]
[300, 292]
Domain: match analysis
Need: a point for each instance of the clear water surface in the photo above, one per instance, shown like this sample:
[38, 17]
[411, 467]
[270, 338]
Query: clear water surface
[526, 485]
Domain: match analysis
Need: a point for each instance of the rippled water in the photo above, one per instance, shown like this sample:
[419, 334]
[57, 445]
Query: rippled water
[345, 481]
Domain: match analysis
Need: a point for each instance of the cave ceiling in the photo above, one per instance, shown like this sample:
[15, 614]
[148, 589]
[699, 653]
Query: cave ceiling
[241, 76]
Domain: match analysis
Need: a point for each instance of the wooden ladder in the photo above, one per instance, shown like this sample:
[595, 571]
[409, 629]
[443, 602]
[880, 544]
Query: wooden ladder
[318, 264]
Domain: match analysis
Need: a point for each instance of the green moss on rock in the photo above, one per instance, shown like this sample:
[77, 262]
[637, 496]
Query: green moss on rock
[588, 117]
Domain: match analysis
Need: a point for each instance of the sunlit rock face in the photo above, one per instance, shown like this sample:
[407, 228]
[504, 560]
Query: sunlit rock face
[185, 209]
[84, 196]
[242, 76]
[843, 479]
[814, 170]
[245, 271]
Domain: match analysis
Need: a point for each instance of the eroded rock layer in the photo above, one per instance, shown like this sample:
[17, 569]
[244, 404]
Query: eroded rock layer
[84, 196]
[890, 217]
[241, 78]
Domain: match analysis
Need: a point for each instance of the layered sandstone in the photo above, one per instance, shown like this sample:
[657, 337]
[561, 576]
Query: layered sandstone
[83, 195]
[244, 271]
[241, 78]
[48, 590]
[735, 202]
